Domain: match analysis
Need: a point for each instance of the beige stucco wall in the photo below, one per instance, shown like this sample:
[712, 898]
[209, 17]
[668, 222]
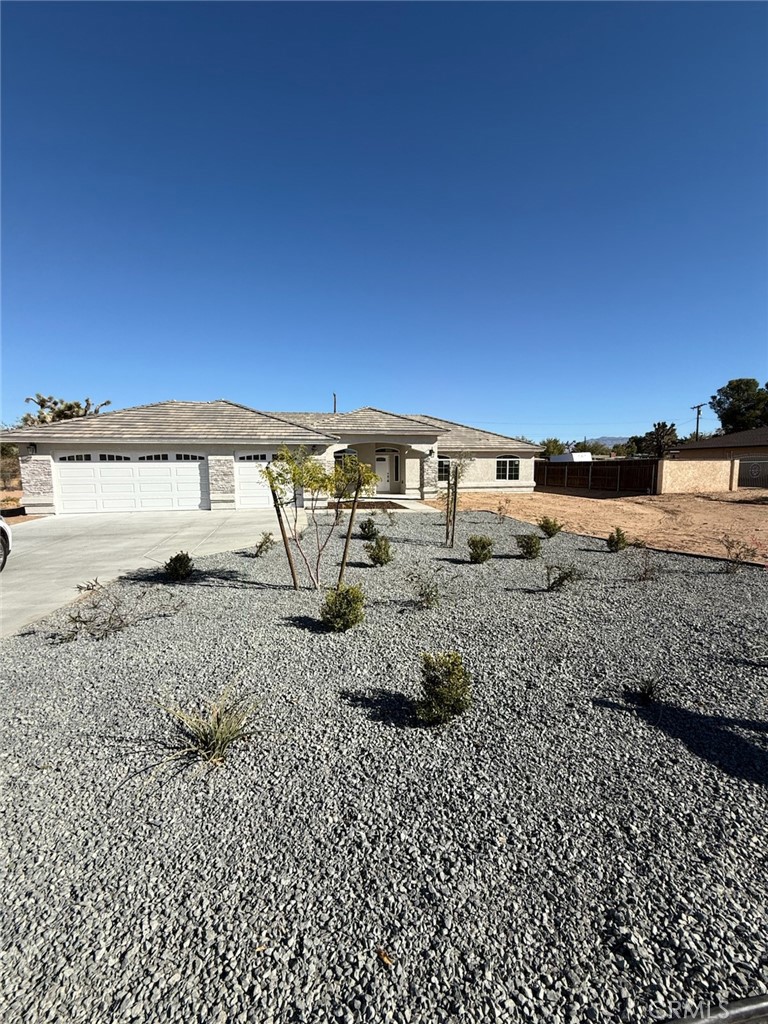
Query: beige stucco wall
[480, 473]
[724, 453]
[692, 476]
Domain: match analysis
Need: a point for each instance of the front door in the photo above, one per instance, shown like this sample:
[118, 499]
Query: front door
[382, 472]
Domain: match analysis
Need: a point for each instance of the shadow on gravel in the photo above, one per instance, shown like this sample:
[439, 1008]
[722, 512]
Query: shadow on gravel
[202, 578]
[305, 622]
[710, 737]
[454, 561]
[384, 706]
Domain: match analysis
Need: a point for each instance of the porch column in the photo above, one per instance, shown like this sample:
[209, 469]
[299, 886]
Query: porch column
[38, 495]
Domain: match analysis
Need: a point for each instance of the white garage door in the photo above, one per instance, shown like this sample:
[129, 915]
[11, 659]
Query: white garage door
[132, 486]
[251, 488]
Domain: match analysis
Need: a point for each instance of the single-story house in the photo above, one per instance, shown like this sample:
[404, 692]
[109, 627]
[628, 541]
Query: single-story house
[190, 455]
[743, 444]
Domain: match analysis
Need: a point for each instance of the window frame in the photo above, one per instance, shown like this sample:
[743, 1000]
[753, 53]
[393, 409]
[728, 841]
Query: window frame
[506, 461]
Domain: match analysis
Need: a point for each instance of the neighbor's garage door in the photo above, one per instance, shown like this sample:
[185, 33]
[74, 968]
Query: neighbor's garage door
[251, 488]
[132, 486]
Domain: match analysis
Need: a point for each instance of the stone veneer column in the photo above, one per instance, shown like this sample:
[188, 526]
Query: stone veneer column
[38, 495]
[221, 481]
[429, 475]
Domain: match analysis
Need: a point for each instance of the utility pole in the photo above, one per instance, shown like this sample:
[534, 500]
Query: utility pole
[334, 401]
[698, 409]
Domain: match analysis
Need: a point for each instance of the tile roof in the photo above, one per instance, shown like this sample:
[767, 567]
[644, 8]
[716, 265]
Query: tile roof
[457, 436]
[739, 439]
[220, 420]
[367, 420]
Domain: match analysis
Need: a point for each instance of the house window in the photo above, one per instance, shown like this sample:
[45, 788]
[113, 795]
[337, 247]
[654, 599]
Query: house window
[74, 458]
[443, 470]
[189, 458]
[508, 469]
[154, 458]
[345, 453]
[256, 457]
[114, 458]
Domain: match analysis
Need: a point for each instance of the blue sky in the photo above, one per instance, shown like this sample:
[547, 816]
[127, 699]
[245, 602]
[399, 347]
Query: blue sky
[543, 218]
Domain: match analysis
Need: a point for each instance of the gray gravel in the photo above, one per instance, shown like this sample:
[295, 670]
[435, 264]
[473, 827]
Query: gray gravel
[557, 854]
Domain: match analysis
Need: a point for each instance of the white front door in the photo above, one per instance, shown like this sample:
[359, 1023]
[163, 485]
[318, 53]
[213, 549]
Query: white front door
[383, 465]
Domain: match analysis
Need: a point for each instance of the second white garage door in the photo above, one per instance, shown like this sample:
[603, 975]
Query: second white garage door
[132, 486]
[251, 490]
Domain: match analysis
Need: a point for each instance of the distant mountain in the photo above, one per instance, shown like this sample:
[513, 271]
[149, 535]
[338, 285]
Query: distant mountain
[609, 442]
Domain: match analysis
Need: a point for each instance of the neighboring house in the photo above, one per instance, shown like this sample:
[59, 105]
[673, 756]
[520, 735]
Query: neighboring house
[744, 444]
[191, 455]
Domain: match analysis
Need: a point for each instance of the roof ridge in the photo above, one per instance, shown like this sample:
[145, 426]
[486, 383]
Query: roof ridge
[397, 415]
[274, 416]
[493, 433]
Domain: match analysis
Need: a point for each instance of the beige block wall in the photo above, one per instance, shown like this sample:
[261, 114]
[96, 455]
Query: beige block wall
[692, 476]
[724, 453]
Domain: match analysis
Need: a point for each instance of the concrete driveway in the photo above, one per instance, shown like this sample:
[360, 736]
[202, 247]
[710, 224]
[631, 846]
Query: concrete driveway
[52, 555]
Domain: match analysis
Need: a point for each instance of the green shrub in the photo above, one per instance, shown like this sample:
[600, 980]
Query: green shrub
[379, 551]
[179, 567]
[208, 733]
[529, 545]
[738, 552]
[617, 540]
[549, 527]
[368, 529]
[427, 594]
[447, 687]
[480, 548]
[343, 608]
[265, 545]
[560, 575]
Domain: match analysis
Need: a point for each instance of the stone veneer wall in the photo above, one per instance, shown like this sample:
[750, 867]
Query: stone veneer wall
[221, 478]
[37, 484]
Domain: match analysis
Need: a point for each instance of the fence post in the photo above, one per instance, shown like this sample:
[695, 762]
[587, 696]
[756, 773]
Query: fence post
[565, 482]
[589, 481]
[618, 477]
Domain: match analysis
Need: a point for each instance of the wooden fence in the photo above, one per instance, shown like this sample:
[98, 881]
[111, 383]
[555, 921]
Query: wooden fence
[622, 476]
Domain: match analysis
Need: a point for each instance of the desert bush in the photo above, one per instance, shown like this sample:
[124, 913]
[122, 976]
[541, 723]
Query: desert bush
[617, 540]
[558, 576]
[107, 610]
[646, 568]
[89, 585]
[529, 545]
[208, 732]
[179, 567]
[549, 527]
[265, 545]
[368, 529]
[426, 592]
[343, 608]
[502, 510]
[738, 552]
[447, 687]
[646, 690]
[480, 548]
[379, 551]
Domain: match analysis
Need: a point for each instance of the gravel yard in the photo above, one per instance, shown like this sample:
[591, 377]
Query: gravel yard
[557, 854]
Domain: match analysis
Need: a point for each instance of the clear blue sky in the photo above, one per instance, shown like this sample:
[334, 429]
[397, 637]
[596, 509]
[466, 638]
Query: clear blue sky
[545, 218]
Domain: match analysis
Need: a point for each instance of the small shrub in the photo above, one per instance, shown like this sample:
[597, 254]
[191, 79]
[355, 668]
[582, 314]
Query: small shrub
[343, 608]
[87, 586]
[447, 687]
[738, 552]
[502, 510]
[646, 569]
[208, 733]
[617, 540]
[179, 567]
[109, 610]
[549, 527]
[426, 592]
[368, 529]
[560, 575]
[529, 545]
[647, 690]
[480, 548]
[379, 551]
[265, 545]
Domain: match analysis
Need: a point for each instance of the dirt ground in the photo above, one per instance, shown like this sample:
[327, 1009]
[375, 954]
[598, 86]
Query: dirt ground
[677, 522]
